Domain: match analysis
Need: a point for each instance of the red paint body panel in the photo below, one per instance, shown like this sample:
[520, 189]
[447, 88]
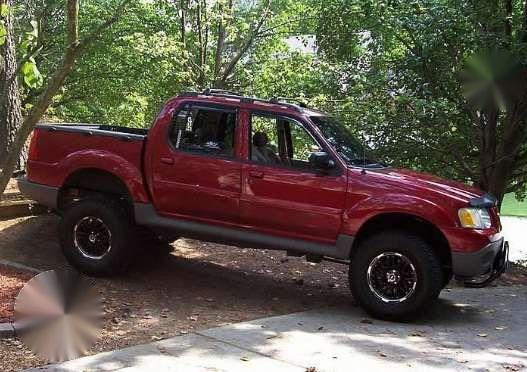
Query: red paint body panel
[237, 192]
[292, 203]
[60, 154]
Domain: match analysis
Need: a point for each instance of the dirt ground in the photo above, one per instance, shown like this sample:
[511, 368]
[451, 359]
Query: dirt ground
[200, 285]
[11, 186]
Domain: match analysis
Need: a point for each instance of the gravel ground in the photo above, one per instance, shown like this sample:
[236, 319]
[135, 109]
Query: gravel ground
[200, 285]
[11, 281]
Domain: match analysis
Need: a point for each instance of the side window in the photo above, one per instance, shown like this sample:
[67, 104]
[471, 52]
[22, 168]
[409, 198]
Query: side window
[281, 141]
[205, 131]
[264, 139]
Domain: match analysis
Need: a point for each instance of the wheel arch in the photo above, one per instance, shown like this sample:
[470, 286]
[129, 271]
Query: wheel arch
[84, 181]
[410, 223]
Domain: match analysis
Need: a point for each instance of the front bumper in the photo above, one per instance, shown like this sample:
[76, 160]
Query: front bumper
[492, 260]
[42, 194]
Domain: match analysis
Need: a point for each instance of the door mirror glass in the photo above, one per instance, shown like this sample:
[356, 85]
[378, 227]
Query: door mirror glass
[321, 160]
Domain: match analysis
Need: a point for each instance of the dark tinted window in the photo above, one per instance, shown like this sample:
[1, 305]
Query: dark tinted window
[204, 130]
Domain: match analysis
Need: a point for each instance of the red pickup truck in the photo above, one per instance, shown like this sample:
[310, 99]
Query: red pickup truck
[221, 167]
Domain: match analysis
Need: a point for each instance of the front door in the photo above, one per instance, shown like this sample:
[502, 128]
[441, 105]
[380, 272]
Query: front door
[196, 173]
[282, 192]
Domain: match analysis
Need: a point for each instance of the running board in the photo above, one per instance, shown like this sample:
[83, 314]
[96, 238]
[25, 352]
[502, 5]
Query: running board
[145, 215]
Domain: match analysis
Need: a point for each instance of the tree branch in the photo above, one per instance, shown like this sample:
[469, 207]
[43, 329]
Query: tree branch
[248, 42]
[220, 44]
[102, 27]
[524, 24]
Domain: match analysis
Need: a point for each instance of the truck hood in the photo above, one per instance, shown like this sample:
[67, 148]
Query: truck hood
[422, 184]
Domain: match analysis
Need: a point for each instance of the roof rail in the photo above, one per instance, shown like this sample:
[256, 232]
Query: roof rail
[230, 94]
[295, 101]
[213, 92]
[282, 101]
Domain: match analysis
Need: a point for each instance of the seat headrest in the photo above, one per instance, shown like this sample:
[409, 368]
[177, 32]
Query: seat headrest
[260, 139]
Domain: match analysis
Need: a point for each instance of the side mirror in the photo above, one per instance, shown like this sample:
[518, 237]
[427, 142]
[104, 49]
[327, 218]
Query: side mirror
[321, 160]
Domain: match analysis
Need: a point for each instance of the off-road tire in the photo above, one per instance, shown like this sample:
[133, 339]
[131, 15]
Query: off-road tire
[428, 270]
[117, 221]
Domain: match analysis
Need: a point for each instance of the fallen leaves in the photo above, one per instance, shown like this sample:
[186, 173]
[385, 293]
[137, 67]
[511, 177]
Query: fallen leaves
[513, 367]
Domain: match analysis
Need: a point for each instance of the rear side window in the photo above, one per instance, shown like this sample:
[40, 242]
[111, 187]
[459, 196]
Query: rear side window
[203, 130]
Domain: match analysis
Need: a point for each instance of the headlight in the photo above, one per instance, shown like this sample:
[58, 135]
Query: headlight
[475, 218]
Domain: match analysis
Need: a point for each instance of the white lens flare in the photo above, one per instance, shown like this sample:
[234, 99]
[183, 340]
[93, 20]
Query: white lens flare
[58, 315]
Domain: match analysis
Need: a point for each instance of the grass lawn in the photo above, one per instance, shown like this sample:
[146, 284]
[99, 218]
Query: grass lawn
[512, 207]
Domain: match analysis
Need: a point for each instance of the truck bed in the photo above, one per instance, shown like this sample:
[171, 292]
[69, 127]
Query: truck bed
[58, 149]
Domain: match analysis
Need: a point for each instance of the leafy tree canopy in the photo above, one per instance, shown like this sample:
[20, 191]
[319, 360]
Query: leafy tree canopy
[434, 85]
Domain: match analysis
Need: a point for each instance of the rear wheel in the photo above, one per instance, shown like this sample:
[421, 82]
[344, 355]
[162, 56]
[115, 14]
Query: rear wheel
[395, 275]
[95, 236]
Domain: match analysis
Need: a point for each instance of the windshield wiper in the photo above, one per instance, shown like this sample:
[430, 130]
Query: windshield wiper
[365, 163]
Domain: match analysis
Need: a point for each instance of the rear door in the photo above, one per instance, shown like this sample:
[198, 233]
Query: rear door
[282, 192]
[196, 172]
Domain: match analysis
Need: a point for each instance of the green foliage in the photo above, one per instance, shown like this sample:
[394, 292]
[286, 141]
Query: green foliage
[31, 74]
[404, 64]
[4, 11]
[141, 61]
[3, 33]
[406, 76]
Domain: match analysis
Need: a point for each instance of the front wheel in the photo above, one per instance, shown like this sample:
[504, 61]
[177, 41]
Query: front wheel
[395, 275]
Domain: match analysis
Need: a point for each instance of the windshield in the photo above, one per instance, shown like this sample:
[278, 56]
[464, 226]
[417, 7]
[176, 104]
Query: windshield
[348, 147]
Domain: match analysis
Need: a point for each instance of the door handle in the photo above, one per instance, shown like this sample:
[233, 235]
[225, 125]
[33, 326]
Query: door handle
[256, 174]
[168, 161]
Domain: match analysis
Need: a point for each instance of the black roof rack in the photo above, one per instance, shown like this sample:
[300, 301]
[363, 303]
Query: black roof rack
[213, 92]
[230, 94]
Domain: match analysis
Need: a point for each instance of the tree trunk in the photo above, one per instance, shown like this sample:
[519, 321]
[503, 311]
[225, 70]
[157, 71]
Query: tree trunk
[73, 49]
[183, 22]
[10, 105]
[498, 158]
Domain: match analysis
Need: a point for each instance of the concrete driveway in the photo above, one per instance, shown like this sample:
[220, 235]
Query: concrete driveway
[468, 330]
